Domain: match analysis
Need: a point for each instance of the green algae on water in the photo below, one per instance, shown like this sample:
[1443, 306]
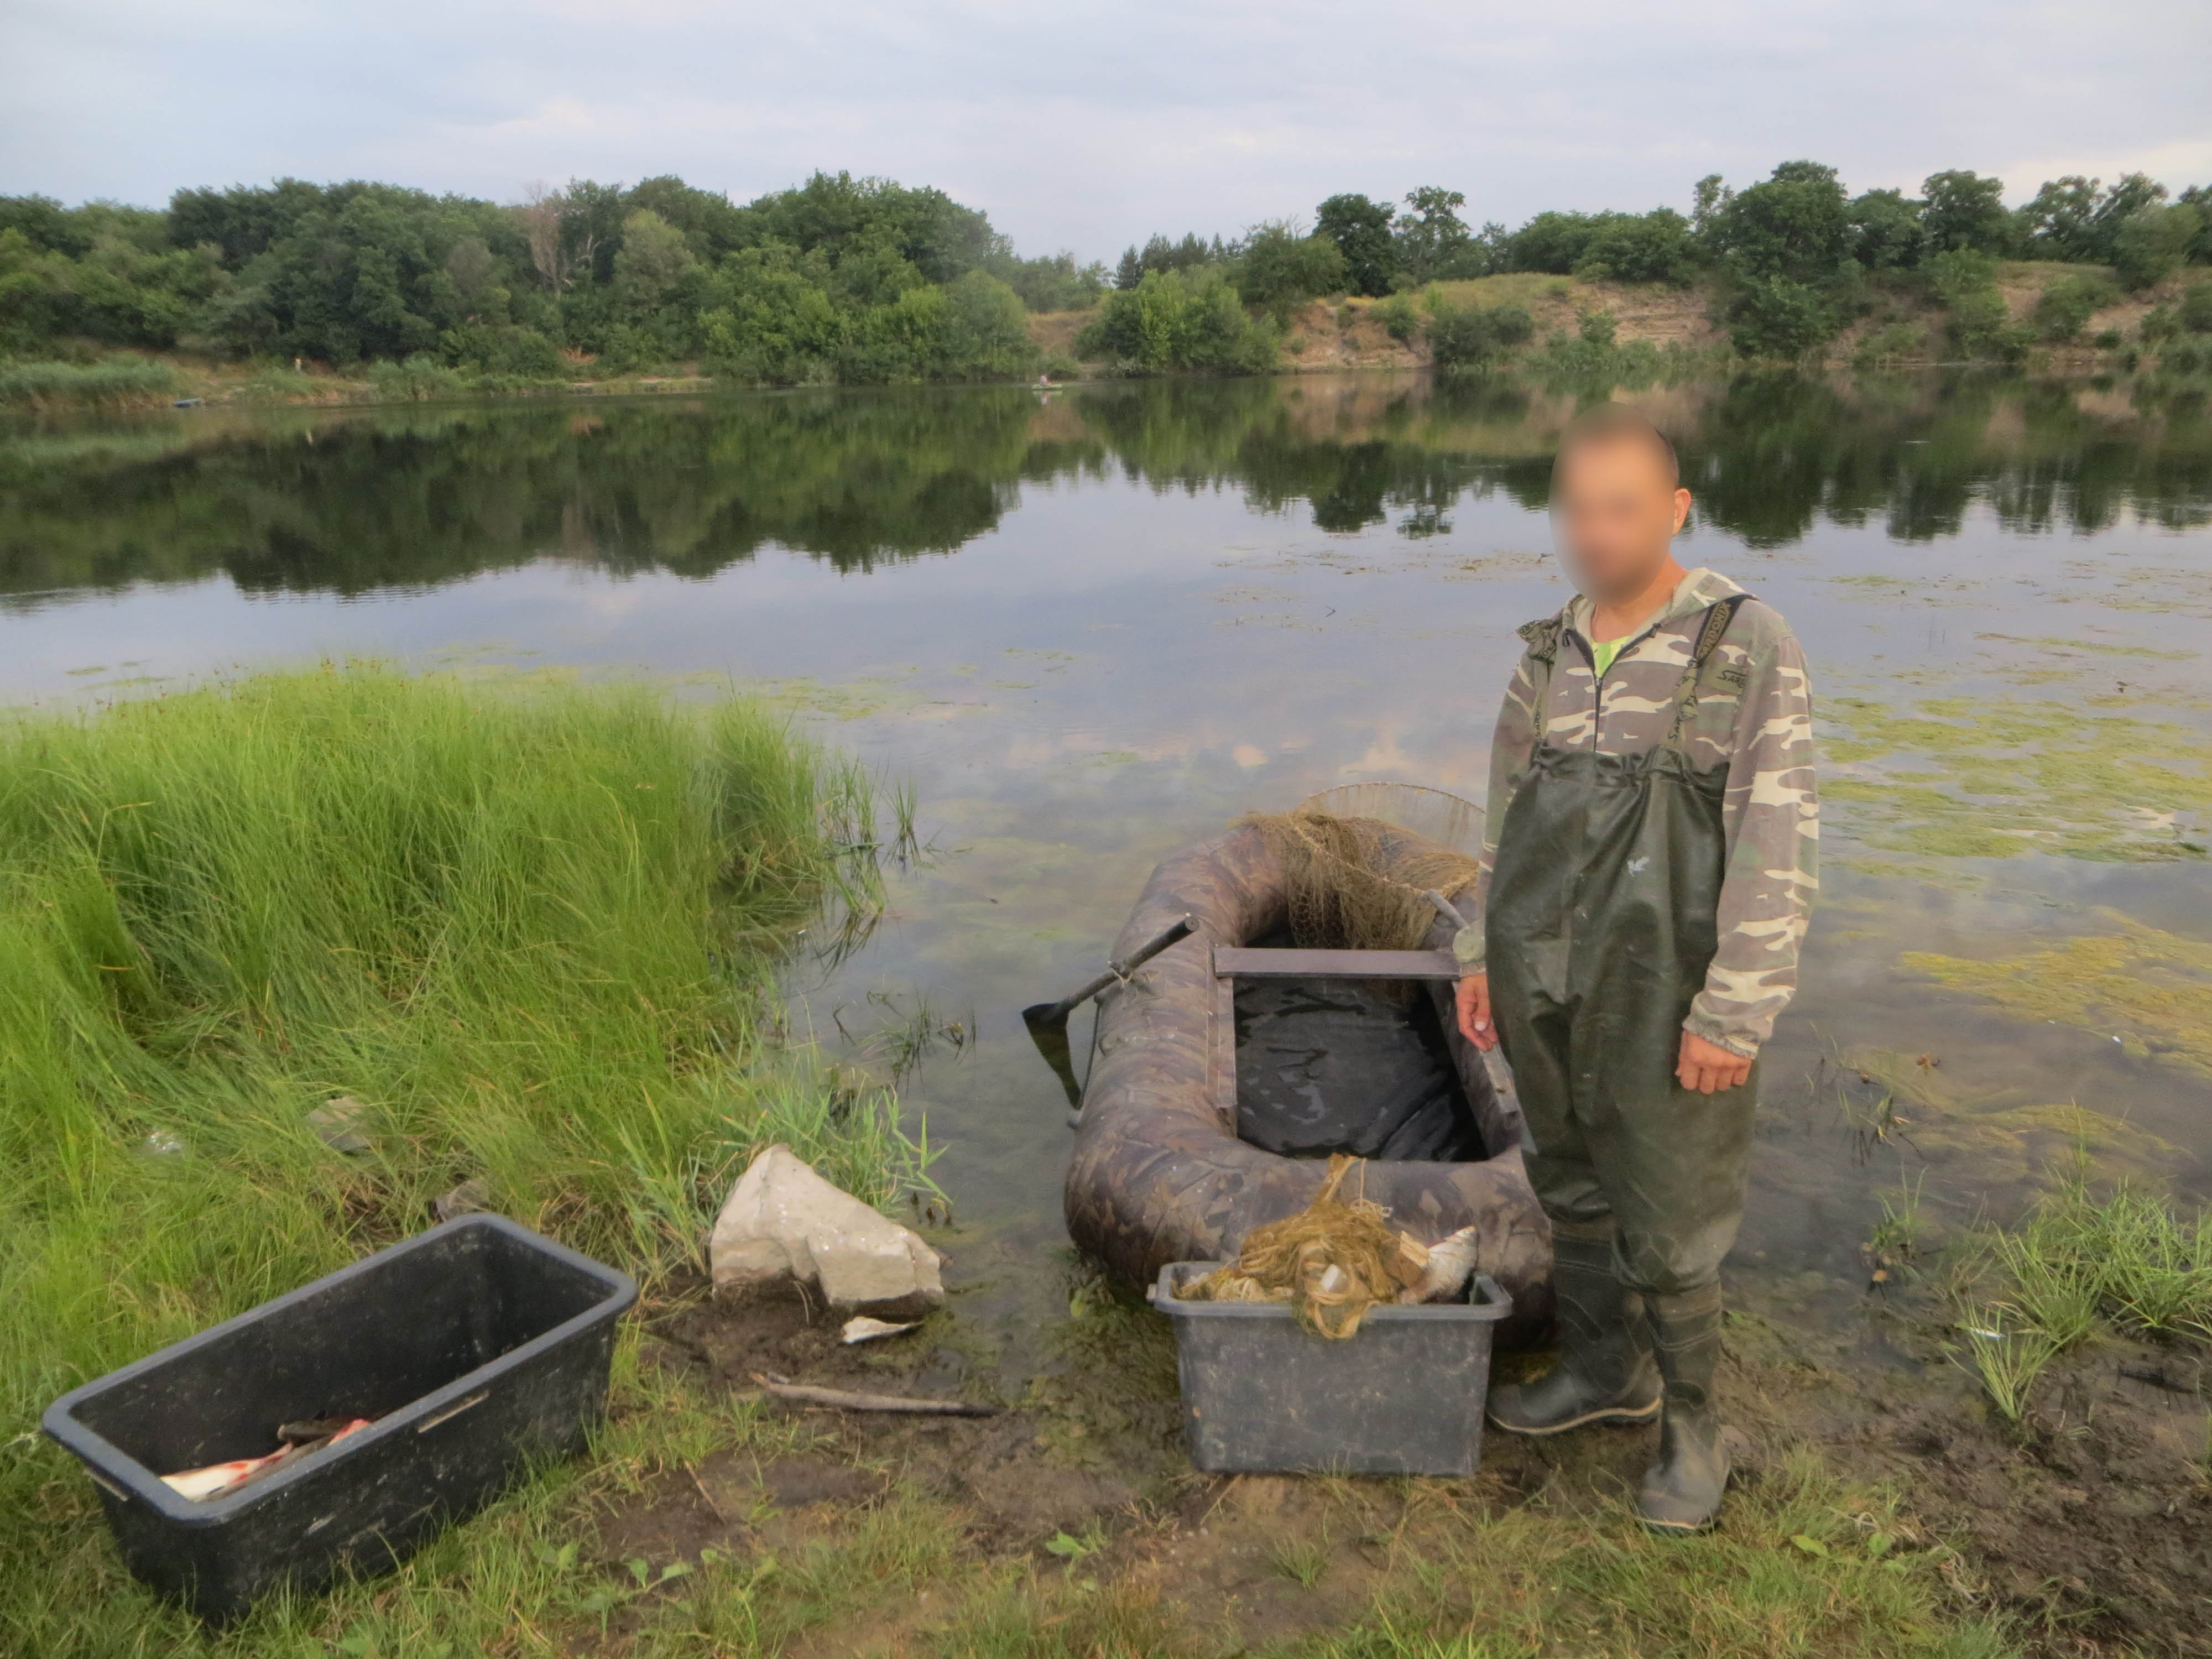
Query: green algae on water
[1959, 777]
[2100, 647]
[2148, 990]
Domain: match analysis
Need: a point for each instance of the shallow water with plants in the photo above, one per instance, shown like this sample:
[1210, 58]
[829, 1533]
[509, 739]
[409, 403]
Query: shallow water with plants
[1072, 632]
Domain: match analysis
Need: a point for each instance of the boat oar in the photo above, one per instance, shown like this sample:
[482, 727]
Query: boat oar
[1048, 1021]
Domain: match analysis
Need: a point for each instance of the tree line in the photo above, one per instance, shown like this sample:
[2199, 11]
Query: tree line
[866, 281]
[1792, 258]
[837, 279]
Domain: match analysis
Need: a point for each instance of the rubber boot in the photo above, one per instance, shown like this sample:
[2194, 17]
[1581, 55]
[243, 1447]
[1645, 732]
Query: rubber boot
[1604, 1373]
[1683, 1486]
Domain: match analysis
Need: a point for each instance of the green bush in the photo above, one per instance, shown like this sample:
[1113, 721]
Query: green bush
[1893, 342]
[1580, 362]
[1638, 247]
[1477, 337]
[1979, 326]
[986, 331]
[503, 348]
[418, 379]
[2150, 244]
[1278, 268]
[775, 323]
[1630, 247]
[111, 384]
[2194, 312]
[1398, 319]
[2062, 309]
[2187, 354]
[628, 349]
[1777, 317]
[1174, 320]
[1051, 282]
[1599, 327]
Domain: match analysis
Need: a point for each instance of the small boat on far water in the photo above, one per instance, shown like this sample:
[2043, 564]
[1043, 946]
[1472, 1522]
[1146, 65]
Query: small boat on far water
[1226, 1069]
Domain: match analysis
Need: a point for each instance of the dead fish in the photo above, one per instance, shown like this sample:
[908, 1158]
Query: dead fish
[217, 1480]
[1451, 1263]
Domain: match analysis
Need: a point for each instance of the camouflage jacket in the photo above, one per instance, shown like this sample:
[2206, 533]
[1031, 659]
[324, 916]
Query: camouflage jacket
[1755, 711]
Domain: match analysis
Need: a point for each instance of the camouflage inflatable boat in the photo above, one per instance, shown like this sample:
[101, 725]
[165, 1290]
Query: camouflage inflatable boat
[1160, 1171]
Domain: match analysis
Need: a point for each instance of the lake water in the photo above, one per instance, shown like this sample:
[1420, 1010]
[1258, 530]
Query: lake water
[1095, 626]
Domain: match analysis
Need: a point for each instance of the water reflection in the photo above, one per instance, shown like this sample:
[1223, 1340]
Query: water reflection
[354, 502]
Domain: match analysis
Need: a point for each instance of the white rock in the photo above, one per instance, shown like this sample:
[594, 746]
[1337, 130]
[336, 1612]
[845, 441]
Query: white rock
[342, 1123]
[861, 1329]
[782, 1221]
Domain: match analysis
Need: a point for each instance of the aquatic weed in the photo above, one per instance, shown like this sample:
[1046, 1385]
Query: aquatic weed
[2005, 1362]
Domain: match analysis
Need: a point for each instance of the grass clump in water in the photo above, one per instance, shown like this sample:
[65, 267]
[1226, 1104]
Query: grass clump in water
[2123, 1256]
[529, 932]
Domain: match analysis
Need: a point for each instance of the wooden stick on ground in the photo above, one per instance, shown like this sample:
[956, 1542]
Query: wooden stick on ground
[783, 1388]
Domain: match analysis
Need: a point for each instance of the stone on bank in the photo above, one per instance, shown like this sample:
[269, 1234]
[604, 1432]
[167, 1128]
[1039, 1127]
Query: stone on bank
[783, 1223]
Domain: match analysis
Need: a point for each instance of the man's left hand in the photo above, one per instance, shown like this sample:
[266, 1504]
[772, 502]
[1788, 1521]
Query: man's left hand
[1708, 1067]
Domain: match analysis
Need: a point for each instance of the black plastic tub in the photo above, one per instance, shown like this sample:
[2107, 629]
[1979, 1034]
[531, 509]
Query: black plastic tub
[1402, 1395]
[477, 1346]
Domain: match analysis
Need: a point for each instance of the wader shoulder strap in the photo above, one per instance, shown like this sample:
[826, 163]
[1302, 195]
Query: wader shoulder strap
[1718, 615]
[1543, 639]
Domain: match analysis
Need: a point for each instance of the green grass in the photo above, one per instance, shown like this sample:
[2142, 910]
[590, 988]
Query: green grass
[114, 384]
[2151, 1268]
[1519, 288]
[530, 928]
[1802, 1564]
[2121, 1256]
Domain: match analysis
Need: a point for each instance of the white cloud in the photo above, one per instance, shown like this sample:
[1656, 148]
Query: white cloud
[1091, 127]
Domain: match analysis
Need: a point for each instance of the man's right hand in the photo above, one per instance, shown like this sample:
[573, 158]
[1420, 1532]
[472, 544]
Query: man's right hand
[1474, 1023]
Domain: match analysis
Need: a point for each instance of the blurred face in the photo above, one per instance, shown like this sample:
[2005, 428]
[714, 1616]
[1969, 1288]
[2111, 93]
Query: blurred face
[1614, 512]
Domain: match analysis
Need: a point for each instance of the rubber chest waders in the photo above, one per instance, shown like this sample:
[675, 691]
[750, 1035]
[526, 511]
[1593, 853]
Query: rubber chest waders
[1601, 921]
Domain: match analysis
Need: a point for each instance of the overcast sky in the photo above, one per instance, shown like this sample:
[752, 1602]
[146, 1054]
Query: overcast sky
[1089, 127]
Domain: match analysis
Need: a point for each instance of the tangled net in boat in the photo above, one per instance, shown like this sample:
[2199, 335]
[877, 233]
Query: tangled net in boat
[1358, 880]
[1331, 1261]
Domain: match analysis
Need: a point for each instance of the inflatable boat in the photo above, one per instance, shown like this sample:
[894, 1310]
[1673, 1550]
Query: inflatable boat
[1160, 1171]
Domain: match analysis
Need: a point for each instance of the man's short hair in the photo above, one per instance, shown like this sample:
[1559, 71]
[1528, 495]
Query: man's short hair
[1616, 423]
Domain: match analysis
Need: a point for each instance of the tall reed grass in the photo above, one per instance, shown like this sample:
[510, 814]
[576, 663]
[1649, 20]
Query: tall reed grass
[115, 384]
[528, 931]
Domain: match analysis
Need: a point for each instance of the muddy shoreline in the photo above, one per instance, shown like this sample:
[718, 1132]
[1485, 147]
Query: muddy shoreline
[2083, 1525]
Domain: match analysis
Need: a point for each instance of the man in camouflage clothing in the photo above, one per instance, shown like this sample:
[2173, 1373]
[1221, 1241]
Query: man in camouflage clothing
[1649, 866]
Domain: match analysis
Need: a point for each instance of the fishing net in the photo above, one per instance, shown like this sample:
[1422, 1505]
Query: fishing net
[1331, 1261]
[1359, 862]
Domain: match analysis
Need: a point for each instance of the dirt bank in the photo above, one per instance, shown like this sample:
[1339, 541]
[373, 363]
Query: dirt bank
[1349, 333]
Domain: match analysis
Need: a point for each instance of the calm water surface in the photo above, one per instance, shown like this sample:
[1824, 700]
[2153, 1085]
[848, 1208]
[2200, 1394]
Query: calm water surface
[1092, 627]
